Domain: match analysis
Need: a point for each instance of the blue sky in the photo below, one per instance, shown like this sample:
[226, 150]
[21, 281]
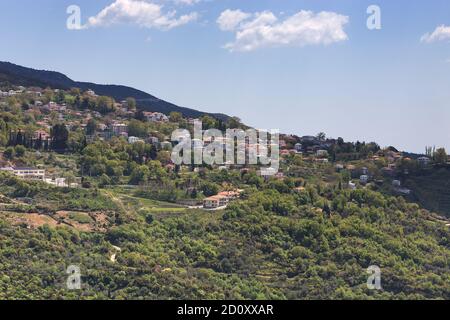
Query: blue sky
[389, 85]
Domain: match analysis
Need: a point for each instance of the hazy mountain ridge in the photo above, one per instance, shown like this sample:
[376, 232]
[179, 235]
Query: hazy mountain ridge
[19, 75]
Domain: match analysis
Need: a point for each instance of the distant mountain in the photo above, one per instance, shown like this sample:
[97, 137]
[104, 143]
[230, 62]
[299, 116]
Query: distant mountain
[18, 75]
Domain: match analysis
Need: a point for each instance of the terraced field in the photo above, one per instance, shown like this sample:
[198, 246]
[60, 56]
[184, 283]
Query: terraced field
[129, 202]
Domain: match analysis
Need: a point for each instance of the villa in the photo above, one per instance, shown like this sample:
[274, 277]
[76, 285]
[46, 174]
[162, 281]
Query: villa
[215, 202]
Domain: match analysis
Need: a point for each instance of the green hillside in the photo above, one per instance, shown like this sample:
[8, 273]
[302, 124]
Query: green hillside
[432, 189]
[270, 246]
[90, 182]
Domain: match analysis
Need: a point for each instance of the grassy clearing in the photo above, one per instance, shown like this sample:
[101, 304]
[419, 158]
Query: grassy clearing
[135, 204]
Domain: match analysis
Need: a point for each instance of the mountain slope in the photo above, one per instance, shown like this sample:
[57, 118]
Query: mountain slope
[18, 75]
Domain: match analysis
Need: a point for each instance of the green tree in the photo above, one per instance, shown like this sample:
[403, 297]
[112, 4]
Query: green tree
[20, 151]
[91, 127]
[105, 104]
[140, 175]
[440, 156]
[175, 117]
[9, 153]
[137, 128]
[209, 189]
[321, 136]
[131, 103]
[60, 136]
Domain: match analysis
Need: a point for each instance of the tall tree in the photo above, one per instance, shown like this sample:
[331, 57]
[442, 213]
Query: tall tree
[60, 136]
[441, 156]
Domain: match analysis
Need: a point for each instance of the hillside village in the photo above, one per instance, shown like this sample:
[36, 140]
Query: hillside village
[94, 176]
[83, 118]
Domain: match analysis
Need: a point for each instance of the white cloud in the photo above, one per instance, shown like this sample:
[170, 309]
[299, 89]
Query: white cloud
[229, 20]
[187, 2]
[440, 34]
[263, 29]
[142, 13]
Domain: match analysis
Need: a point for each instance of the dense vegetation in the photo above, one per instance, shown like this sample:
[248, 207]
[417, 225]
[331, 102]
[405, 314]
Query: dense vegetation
[270, 245]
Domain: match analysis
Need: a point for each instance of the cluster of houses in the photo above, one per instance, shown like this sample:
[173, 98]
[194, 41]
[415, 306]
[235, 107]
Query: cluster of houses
[73, 118]
[155, 117]
[11, 93]
[115, 128]
[221, 200]
[364, 176]
[309, 146]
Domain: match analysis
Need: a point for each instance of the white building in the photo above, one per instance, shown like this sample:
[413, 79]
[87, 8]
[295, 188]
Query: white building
[133, 140]
[26, 173]
[215, 202]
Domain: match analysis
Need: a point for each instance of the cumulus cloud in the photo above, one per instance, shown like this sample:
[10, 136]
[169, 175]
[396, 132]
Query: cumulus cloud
[264, 29]
[441, 33]
[230, 19]
[142, 13]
